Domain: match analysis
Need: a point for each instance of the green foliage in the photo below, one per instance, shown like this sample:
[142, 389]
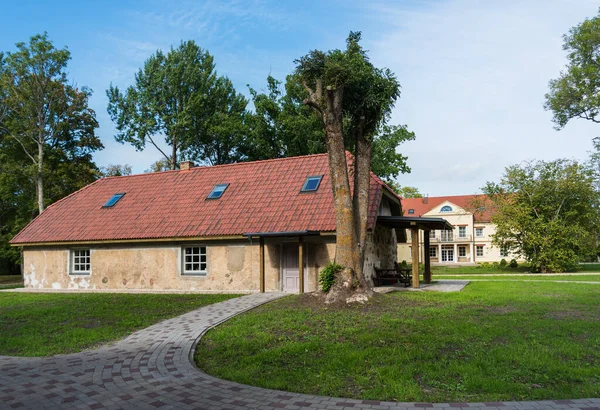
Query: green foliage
[179, 95]
[409, 192]
[327, 275]
[115, 170]
[547, 212]
[513, 264]
[503, 263]
[574, 94]
[50, 154]
[283, 126]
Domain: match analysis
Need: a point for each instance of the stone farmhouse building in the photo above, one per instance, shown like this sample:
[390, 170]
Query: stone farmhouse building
[471, 239]
[242, 227]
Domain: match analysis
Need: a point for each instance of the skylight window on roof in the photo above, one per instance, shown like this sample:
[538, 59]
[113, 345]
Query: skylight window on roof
[411, 211]
[312, 183]
[217, 191]
[113, 200]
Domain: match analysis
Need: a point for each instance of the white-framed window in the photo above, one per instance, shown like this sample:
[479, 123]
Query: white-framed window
[478, 231]
[447, 235]
[194, 260]
[446, 208]
[462, 231]
[433, 251]
[432, 234]
[81, 262]
[479, 250]
[462, 251]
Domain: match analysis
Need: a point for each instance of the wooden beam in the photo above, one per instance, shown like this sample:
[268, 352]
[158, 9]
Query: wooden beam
[262, 264]
[301, 264]
[426, 258]
[415, 257]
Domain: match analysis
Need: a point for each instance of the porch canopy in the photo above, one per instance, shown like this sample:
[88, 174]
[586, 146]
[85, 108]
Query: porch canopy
[415, 224]
[284, 234]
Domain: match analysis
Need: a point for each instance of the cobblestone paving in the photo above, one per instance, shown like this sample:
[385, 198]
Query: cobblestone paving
[152, 368]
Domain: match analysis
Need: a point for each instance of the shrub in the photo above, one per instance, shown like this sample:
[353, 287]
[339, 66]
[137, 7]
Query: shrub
[503, 263]
[484, 265]
[327, 275]
[495, 265]
[513, 264]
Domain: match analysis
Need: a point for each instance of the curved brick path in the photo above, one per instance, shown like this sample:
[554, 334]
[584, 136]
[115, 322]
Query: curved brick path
[152, 369]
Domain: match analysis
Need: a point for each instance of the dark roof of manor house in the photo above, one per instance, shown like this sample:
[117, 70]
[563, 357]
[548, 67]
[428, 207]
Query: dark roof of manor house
[260, 196]
[475, 204]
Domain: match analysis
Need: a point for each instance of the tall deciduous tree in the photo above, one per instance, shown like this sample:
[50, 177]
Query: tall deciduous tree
[574, 94]
[344, 86]
[41, 111]
[283, 126]
[547, 212]
[179, 95]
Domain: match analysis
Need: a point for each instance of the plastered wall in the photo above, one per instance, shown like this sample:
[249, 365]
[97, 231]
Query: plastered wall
[232, 266]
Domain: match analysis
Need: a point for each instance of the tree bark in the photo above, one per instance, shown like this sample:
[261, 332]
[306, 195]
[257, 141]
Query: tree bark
[362, 177]
[346, 245]
[39, 179]
[174, 155]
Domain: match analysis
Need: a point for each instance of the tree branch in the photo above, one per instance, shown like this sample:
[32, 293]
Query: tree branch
[24, 149]
[161, 151]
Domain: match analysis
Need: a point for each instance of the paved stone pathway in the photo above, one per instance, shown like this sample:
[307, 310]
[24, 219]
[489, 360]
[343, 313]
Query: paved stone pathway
[152, 368]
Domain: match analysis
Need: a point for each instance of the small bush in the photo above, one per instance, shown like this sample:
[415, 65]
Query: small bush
[513, 264]
[403, 265]
[495, 265]
[484, 265]
[503, 263]
[327, 275]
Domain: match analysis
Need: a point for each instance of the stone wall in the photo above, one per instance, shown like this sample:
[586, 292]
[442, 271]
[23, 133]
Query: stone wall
[381, 250]
[231, 266]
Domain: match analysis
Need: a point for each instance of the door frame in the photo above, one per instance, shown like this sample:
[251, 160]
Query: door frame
[282, 265]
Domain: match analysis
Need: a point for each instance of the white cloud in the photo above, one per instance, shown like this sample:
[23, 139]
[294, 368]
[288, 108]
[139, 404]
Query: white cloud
[474, 75]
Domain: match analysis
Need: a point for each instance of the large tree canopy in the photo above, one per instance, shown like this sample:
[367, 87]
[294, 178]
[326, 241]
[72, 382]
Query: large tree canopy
[47, 136]
[42, 112]
[179, 95]
[282, 126]
[547, 212]
[353, 100]
[575, 93]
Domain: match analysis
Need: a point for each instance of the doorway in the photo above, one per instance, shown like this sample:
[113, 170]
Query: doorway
[447, 253]
[291, 275]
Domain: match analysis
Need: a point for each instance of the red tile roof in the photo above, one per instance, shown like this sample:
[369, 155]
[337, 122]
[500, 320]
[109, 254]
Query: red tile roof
[470, 203]
[262, 196]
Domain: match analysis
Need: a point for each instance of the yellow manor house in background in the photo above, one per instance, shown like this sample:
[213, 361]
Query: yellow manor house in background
[469, 242]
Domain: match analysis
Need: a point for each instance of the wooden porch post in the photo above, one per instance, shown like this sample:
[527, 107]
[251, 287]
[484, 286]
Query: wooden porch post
[426, 258]
[415, 257]
[301, 264]
[262, 264]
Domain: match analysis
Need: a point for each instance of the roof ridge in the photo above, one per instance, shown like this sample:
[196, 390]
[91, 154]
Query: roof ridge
[199, 167]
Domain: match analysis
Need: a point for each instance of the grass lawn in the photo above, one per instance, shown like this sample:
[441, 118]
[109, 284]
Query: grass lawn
[43, 324]
[490, 269]
[492, 341]
[577, 278]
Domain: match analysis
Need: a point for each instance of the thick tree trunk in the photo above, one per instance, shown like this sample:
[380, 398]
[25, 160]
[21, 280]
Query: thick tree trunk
[39, 178]
[362, 177]
[174, 155]
[346, 245]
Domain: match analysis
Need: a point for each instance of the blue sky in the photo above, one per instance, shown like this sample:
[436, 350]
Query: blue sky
[474, 73]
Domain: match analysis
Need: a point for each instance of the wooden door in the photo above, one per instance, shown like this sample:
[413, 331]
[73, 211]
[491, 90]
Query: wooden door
[291, 275]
